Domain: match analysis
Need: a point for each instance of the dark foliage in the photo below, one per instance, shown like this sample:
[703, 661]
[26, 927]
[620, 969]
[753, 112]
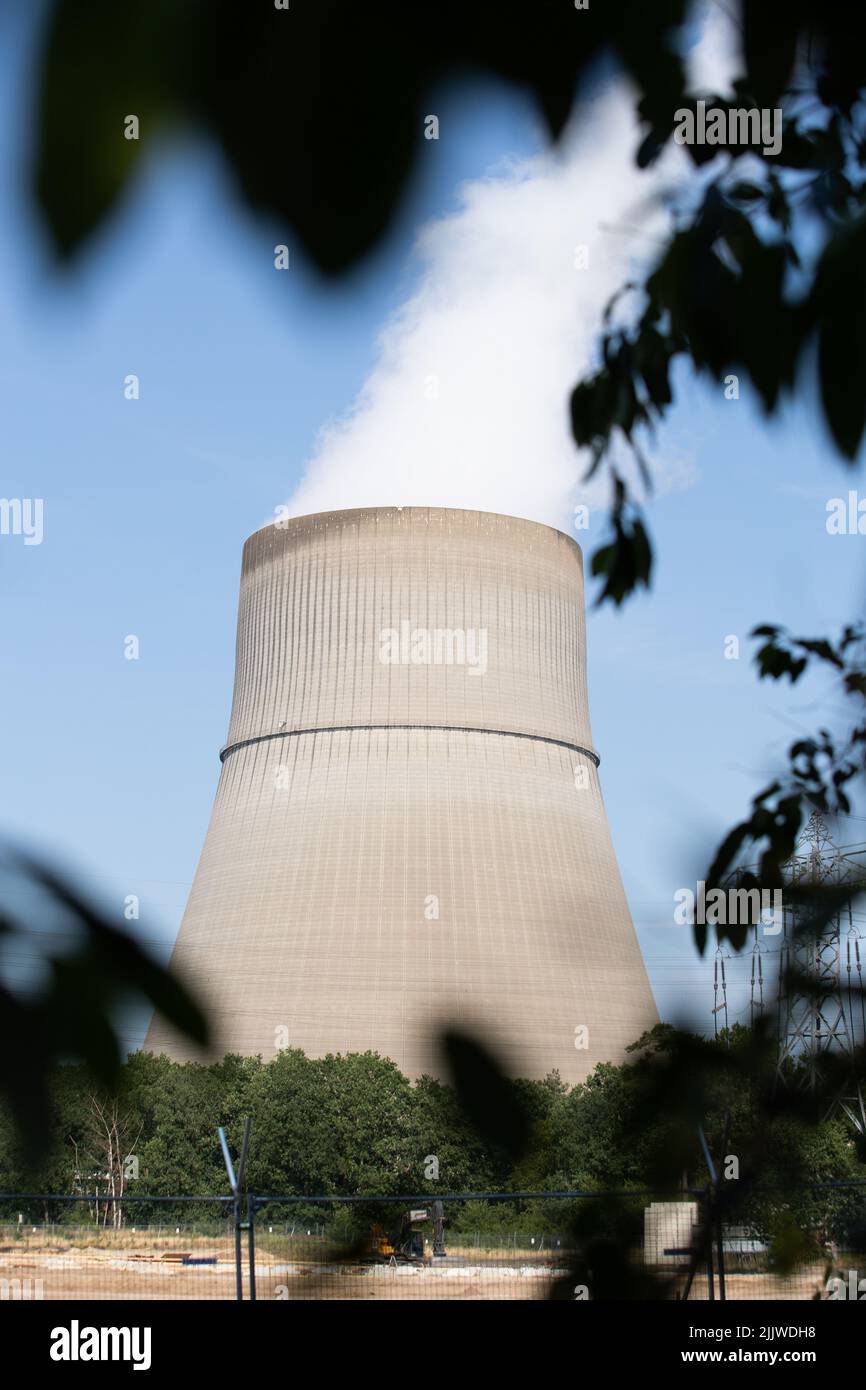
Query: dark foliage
[71, 1013]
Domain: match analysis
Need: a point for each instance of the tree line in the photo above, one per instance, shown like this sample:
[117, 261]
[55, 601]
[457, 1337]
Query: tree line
[355, 1125]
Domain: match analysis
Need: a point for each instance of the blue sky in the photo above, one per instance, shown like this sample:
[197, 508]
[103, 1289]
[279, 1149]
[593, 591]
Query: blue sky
[109, 765]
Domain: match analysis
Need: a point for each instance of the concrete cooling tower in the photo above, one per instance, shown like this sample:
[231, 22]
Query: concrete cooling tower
[409, 829]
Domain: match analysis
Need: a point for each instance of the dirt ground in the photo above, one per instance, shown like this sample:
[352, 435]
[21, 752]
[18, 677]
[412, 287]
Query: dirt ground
[142, 1267]
[86, 1274]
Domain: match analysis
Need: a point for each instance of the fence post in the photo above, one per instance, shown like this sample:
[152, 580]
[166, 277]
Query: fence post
[239, 1272]
[707, 1226]
[251, 1243]
[236, 1183]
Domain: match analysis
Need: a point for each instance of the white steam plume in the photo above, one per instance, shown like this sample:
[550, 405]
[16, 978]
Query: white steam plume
[467, 404]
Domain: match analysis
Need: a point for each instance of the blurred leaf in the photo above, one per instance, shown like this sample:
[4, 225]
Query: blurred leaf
[487, 1097]
[100, 63]
[319, 108]
[770, 32]
[72, 1016]
[744, 192]
[625, 563]
[790, 1247]
[838, 304]
[118, 959]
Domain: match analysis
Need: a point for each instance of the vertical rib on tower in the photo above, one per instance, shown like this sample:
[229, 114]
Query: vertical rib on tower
[400, 841]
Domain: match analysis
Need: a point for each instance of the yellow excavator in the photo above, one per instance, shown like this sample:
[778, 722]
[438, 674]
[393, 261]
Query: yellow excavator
[406, 1245]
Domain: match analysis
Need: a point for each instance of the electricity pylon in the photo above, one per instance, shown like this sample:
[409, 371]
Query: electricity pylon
[827, 1015]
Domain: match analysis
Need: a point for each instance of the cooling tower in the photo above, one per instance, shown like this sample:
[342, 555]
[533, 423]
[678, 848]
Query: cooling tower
[409, 829]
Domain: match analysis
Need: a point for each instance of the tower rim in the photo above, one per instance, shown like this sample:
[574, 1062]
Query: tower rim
[388, 509]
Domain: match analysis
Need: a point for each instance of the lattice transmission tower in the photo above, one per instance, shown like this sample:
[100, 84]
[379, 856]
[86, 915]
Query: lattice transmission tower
[811, 1025]
[831, 1017]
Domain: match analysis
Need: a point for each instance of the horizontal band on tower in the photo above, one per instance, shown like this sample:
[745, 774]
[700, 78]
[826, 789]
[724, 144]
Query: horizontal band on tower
[436, 728]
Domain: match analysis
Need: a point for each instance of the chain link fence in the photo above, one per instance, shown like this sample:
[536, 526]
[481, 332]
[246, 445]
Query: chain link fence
[69, 1248]
[807, 1243]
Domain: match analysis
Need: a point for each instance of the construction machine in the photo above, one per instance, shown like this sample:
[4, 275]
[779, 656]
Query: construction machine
[406, 1244]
